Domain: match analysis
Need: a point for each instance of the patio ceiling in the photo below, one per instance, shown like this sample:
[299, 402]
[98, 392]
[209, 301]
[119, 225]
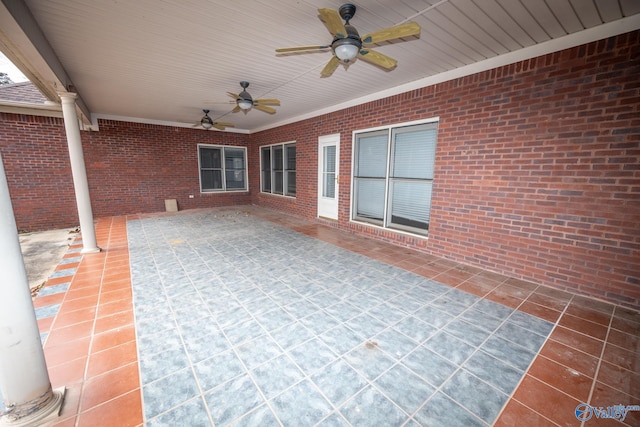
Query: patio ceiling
[162, 61]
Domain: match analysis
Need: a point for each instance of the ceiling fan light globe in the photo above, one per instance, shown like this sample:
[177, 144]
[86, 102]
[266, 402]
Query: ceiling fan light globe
[245, 104]
[206, 121]
[346, 51]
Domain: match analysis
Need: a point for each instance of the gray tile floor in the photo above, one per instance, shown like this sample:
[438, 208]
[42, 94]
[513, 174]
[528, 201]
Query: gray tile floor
[244, 322]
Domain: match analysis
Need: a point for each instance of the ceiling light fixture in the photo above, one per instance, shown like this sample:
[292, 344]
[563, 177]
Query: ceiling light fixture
[245, 104]
[346, 49]
[206, 121]
[245, 101]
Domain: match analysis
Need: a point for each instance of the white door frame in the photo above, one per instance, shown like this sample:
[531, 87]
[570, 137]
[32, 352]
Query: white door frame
[328, 206]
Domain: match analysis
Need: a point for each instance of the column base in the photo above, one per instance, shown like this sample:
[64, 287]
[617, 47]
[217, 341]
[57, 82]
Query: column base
[90, 250]
[43, 415]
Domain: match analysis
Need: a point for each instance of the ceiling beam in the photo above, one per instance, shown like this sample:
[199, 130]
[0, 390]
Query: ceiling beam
[24, 43]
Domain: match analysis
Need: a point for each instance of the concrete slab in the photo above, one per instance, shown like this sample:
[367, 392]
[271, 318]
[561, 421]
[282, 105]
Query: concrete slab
[42, 252]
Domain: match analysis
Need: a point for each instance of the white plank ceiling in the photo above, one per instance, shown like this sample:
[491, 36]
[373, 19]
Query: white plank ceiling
[162, 60]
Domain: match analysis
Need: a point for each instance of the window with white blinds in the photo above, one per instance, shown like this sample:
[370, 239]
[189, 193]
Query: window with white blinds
[222, 168]
[278, 169]
[393, 177]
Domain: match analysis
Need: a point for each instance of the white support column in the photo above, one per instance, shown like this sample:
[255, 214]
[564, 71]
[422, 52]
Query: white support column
[24, 380]
[79, 173]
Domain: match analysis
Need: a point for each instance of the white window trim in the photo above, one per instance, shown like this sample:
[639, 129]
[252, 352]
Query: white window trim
[224, 189]
[388, 128]
[283, 144]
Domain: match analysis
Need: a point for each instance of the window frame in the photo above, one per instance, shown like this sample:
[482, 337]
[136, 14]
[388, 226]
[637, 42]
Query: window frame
[386, 222]
[223, 168]
[273, 170]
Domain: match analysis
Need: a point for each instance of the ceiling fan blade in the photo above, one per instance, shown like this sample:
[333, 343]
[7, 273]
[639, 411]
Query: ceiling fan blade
[333, 22]
[236, 109]
[301, 48]
[222, 125]
[266, 102]
[265, 109]
[397, 32]
[232, 95]
[330, 67]
[379, 59]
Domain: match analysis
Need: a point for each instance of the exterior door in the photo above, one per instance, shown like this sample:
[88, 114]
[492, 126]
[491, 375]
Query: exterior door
[328, 178]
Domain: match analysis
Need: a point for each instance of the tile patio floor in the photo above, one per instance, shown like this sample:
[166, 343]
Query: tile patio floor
[244, 316]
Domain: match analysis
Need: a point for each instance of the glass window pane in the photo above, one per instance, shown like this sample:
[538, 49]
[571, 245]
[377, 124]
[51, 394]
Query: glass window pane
[234, 162]
[291, 157]
[211, 179]
[371, 158]
[414, 154]
[210, 158]
[410, 203]
[329, 185]
[329, 172]
[266, 181]
[233, 158]
[370, 198]
[277, 164]
[329, 158]
[277, 182]
[266, 169]
[235, 179]
[291, 183]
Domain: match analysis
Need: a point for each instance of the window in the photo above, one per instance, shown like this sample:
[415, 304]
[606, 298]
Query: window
[278, 169]
[393, 177]
[222, 168]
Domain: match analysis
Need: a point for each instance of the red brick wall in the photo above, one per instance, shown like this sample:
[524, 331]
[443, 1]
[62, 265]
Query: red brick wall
[36, 162]
[537, 168]
[131, 168]
[134, 167]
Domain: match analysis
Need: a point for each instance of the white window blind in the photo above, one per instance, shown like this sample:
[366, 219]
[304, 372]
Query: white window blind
[393, 177]
[372, 156]
[413, 154]
[370, 176]
[329, 173]
[411, 175]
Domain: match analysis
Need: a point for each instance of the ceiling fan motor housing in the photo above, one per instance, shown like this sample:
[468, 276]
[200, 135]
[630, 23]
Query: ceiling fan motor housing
[341, 45]
[352, 39]
[347, 11]
[244, 95]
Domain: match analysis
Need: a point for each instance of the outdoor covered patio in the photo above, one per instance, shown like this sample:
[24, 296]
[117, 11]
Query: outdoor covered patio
[244, 316]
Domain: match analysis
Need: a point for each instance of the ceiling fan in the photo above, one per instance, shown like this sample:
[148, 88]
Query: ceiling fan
[207, 123]
[244, 101]
[347, 45]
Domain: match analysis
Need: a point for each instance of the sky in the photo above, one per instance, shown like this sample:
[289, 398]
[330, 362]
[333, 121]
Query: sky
[7, 66]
